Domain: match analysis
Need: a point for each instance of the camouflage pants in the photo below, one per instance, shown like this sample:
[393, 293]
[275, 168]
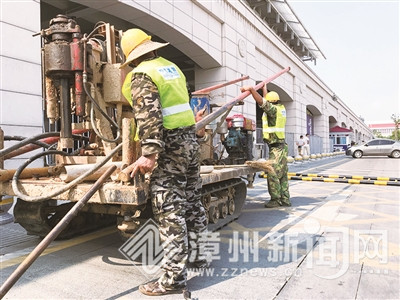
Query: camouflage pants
[176, 202]
[278, 183]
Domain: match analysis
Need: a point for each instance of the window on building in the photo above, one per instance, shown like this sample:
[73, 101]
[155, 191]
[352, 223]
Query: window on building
[341, 140]
[310, 123]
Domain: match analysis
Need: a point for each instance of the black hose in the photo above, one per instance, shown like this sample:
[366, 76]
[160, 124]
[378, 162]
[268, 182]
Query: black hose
[97, 132]
[97, 105]
[28, 141]
[34, 140]
[21, 138]
[94, 101]
[84, 75]
[97, 26]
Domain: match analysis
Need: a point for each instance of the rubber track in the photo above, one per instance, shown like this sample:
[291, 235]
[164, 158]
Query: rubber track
[239, 198]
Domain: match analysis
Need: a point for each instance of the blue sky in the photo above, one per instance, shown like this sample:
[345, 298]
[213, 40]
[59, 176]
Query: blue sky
[360, 40]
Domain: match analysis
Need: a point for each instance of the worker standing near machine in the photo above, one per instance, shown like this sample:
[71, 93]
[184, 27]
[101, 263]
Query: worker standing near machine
[156, 89]
[274, 121]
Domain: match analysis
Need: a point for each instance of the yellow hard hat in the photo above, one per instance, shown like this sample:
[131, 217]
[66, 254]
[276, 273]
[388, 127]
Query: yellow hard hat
[135, 42]
[272, 97]
[132, 38]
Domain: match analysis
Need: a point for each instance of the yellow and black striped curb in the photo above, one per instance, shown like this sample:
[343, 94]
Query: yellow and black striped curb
[358, 177]
[352, 179]
[342, 180]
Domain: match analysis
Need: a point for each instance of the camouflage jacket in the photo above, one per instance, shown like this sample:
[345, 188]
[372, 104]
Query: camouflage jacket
[147, 110]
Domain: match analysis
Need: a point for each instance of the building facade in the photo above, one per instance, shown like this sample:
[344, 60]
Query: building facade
[212, 41]
[383, 128]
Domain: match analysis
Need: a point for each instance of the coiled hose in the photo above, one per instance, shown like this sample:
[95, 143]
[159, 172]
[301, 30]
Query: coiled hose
[34, 140]
[93, 101]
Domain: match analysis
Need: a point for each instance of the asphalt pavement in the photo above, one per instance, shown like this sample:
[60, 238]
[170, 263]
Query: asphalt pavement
[337, 241]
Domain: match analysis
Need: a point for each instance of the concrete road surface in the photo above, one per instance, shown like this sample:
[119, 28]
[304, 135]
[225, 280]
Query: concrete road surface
[337, 241]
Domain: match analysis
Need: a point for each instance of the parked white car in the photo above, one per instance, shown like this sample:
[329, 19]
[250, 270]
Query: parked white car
[376, 147]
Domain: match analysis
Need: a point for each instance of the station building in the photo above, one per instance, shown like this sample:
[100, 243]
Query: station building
[211, 41]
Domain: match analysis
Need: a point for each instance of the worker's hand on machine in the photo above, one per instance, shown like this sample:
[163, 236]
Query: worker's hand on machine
[144, 164]
[199, 116]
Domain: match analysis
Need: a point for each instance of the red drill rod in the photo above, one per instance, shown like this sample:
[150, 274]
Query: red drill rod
[217, 86]
[211, 117]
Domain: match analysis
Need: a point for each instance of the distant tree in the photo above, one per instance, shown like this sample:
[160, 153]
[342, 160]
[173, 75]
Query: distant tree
[395, 133]
[377, 133]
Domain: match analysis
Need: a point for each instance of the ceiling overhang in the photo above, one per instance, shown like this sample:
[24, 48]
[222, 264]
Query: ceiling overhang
[283, 21]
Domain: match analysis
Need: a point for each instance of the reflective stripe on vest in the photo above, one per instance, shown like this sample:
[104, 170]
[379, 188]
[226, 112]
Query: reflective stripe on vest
[273, 129]
[279, 128]
[176, 109]
[171, 84]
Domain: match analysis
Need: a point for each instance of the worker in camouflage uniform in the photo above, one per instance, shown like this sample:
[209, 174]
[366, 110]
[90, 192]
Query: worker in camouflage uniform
[274, 120]
[156, 89]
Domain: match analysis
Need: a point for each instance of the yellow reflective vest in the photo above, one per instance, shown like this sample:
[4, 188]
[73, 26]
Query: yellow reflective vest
[279, 128]
[171, 84]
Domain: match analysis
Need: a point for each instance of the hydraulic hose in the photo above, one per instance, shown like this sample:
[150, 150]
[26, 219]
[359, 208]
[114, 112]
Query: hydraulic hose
[21, 138]
[70, 185]
[95, 128]
[96, 104]
[28, 141]
[97, 26]
[33, 140]
[84, 75]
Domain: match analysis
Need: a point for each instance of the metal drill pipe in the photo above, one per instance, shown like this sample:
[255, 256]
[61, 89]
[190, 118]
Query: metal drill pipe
[6, 175]
[217, 86]
[8, 284]
[66, 118]
[211, 117]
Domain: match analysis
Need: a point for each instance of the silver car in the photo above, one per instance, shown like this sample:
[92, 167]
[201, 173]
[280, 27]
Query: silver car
[376, 147]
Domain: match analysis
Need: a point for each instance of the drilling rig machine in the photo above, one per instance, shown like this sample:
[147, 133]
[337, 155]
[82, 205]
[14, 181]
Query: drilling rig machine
[89, 125]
